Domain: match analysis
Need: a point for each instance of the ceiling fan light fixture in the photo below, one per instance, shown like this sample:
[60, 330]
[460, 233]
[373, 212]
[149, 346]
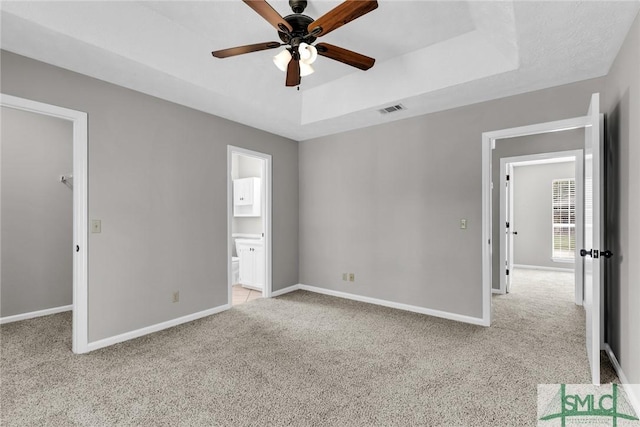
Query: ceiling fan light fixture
[282, 59]
[298, 31]
[308, 53]
[305, 69]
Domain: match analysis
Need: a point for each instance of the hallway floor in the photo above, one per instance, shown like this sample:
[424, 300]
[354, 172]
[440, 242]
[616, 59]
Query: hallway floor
[241, 295]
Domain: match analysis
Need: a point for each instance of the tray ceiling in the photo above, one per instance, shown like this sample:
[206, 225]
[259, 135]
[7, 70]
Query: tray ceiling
[430, 55]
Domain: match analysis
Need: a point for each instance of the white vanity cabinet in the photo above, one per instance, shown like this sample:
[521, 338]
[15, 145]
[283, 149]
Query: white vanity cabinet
[252, 263]
[246, 197]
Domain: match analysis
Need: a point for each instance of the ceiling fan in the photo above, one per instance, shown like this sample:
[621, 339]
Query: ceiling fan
[298, 32]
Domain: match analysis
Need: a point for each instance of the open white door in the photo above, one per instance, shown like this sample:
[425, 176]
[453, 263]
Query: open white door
[591, 254]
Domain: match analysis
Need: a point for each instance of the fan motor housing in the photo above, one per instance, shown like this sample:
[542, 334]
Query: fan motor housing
[299, 23]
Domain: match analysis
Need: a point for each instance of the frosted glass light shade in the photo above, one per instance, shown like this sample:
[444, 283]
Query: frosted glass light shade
[305, 69]
[282, 59]
[308, 53]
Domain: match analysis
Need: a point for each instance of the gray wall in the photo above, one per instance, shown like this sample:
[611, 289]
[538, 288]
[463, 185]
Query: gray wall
[532, 217]
[622, 105]
[37, 212]
[385, 202]
[534, 144]
[158, 182]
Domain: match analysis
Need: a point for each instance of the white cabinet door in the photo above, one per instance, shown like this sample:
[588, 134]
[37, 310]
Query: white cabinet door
[246, 264]
[252, 264]
[246, 197]
[243, 192]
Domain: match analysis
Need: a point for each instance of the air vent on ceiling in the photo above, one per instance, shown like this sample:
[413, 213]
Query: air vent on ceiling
[392, 109]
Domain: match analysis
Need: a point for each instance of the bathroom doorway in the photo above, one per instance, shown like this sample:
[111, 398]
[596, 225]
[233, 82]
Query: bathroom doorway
[249, 225]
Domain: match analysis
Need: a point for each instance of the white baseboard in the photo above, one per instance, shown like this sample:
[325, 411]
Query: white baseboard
[33, 314]
[540, 267]
[632, 390]
[397, 305]
[285, 290]
[154, 328]
[497, 291]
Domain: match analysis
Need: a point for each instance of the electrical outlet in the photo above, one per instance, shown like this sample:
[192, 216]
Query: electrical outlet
[352, 277]
[345, 276]
[96, 226]
[463, 224]
[176, 296]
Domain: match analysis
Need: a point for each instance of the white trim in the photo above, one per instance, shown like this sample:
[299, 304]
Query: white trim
[545, 159]
[80, 328]
[396, 305]
[547, 127]
[286, 290]
[497, 291]
[34, 314]
[488, 143]
[267, 206]
[578, 265]
[541, 267]
[384, 303]
[632, 390]
[563, 260]
[505, 169]
[95, 345]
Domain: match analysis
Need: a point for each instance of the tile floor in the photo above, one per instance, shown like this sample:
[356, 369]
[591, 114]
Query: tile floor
[241, 295]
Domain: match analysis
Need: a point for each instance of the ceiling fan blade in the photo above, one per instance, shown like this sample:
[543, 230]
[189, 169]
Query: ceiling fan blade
[340, 15]
[345, 56]
[293, 73]
[265, 10]
[233, 51]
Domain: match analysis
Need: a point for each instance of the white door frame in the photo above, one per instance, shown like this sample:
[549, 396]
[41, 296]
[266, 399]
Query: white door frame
[80, 322]
[577, 156]
[488, 144]
[507, 210]
[266, 190]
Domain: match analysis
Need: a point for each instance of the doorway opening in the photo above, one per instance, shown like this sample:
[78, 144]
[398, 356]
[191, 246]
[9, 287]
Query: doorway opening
[540, 196]
[77, 179]
[249, 225]
[593, 123]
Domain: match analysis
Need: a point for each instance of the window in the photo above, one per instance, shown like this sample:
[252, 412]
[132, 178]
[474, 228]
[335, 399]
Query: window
[563, 207]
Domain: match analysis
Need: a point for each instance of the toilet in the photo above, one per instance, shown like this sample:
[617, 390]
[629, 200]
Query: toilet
[235, 270]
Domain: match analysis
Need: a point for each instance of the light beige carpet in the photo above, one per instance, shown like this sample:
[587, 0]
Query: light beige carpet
[303, 360]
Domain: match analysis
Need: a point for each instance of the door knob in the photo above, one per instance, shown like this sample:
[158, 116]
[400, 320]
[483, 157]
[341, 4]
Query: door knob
[606, 254]
[584, 252]
[515, 232]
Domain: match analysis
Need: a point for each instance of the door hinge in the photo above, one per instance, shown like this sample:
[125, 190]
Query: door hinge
[507, 177]
[507, 224]
[507, 271]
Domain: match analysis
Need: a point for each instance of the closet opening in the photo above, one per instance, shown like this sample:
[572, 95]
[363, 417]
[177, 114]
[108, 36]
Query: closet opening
[44, 214]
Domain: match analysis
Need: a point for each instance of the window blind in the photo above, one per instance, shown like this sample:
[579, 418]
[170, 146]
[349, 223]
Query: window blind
[563, 218]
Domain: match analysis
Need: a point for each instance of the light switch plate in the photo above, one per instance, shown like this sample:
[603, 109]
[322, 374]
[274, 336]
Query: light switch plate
[463, 224]
[96, 226]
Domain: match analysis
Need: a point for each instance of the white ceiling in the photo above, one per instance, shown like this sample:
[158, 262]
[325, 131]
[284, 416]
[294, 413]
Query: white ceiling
[430, 55]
